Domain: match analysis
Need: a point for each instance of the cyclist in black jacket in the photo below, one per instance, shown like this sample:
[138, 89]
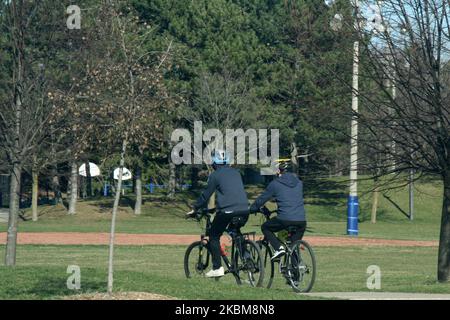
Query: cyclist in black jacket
[231, 201]
[287, 191]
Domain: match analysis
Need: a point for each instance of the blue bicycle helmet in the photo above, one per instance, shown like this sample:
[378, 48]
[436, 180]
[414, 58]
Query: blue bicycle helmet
[220, 157]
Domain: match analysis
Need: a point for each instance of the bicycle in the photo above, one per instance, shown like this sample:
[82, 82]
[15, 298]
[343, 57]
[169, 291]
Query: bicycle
[298, 265]
[245, 253]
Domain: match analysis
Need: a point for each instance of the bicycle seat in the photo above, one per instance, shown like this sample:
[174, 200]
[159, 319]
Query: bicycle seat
[234, 227]
[292, 229]
[237, 221]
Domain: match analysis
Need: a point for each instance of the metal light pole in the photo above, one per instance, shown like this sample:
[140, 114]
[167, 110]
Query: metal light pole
[353, 203]
[394, 96]
[411, 194]
[404, 32]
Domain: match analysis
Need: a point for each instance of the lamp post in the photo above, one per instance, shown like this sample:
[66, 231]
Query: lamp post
[404, 31]
[352, 202]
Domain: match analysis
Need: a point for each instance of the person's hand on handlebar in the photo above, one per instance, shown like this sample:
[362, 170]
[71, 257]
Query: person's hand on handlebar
[265, 211]
[198, 212]
[192, 214]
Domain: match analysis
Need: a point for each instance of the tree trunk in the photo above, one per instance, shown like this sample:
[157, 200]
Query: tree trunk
[88, 180]
[194, 177]
[56, 188]
[172, 178]
[11, 240]
[14, 191]
[113, 218]
[138, 190]
[83, 187]
[73, 187]
[35, 195]
[294, 158]
[444, 240]
[376, 194]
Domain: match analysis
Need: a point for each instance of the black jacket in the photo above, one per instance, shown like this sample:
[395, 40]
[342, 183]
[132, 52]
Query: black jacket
[287, 191]
[227, 183]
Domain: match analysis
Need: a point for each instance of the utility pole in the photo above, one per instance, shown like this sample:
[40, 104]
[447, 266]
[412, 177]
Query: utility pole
[336, 24]
[411, 194]
[353, 203]
[394, 96]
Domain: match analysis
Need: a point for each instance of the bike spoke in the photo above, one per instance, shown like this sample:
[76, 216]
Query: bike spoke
[301, 268]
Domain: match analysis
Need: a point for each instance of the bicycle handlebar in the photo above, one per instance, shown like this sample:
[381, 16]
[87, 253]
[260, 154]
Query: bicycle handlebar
[266, 212]
[200, 213]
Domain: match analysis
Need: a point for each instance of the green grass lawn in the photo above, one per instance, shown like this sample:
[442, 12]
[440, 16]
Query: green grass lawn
[41, 272]
[325, 205]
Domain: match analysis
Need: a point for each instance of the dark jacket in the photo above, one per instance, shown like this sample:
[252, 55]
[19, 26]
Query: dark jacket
[287, 191]
[227, 183]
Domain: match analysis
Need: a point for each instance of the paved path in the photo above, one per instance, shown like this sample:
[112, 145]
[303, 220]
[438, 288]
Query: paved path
[379, 295]
[4, 216]
[77, 238]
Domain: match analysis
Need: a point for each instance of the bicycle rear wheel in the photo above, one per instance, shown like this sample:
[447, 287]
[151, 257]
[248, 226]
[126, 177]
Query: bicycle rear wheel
[249, 264]
[196, 259]
[301, 267]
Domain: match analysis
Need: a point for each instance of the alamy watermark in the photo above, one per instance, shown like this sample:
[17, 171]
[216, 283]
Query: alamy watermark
[74, 19]
[191, 151]
[74, 280]
[374, 279]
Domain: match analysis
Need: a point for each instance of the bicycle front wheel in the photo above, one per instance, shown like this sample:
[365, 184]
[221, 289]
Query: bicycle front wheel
[302, 267]
[196, 259]
[249, 265]
[268, 264]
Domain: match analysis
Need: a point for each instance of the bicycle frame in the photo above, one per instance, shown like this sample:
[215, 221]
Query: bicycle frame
[289, 263]
[236, 242]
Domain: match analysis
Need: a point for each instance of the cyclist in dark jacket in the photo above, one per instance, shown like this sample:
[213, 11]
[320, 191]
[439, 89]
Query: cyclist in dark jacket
[287, 191]
[231, 201]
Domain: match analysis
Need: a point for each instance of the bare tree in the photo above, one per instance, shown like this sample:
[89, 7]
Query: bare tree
[413, 53]
[127, 85]
[29, 121]
[222, 101]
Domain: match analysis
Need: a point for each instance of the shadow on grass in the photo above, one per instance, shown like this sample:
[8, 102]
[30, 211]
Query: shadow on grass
[48, 286]
[382, 214]
[157, 200]
[328, 191]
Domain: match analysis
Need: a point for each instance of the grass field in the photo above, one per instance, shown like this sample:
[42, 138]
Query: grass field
[325, 206]
[41, 272]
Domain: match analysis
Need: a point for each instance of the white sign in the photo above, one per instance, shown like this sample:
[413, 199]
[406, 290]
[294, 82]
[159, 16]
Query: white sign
[126, 174]
[94, 170]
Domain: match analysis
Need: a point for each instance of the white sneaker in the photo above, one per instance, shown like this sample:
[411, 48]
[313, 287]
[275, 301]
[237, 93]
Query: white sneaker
[277, 254]
[215, 273]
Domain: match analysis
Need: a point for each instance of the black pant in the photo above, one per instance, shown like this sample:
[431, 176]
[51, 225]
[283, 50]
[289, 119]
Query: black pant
[274, 225]
[218, 226]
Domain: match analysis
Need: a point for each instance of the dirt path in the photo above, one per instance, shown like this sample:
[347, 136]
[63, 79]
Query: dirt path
[80, 238]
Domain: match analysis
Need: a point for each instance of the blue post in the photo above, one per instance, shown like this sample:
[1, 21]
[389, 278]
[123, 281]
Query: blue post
[151, 187]
[105, 190]
[352, 215]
